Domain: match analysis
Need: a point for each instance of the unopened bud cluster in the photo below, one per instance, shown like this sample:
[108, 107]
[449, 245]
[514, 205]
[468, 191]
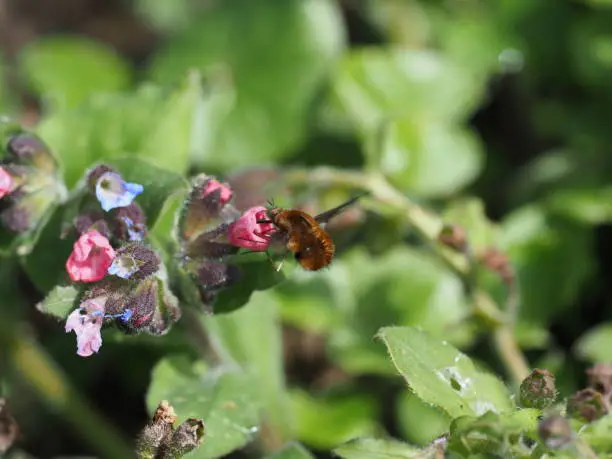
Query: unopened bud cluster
[161, 440]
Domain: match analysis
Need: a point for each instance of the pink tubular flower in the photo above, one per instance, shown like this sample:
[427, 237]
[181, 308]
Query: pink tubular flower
[247, 233]
[86, 323]
[6, 183]
[90, 258]
[212, 185]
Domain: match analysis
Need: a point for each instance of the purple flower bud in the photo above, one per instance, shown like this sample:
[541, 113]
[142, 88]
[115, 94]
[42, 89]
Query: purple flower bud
[587, 405]
[112, 191]
[130, 223]
[206, 208]
[28, 150]
[92, 221]
[215, 274]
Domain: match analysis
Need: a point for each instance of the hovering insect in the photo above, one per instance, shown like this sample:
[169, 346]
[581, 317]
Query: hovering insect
[303, 235]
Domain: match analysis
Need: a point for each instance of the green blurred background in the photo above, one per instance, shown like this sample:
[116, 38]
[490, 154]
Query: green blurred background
[496, 114]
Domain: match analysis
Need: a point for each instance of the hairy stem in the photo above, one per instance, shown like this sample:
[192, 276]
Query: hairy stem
[428, 226]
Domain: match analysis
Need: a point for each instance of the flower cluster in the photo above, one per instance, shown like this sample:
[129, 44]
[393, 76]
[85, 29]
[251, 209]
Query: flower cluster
[211, 230]
[123, 278]
[30, 183]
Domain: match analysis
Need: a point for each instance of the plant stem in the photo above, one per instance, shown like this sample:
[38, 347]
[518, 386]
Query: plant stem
[428, 226]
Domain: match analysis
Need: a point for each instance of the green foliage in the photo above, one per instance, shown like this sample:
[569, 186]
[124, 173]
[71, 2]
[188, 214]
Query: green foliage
[226, 400]
[93, 68]
[364, 448]
[444, 113]
[276, 71]
[441, 375]
[59, 302]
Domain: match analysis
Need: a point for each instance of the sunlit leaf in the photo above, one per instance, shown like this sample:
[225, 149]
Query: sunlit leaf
[441, 375]
[225, 400]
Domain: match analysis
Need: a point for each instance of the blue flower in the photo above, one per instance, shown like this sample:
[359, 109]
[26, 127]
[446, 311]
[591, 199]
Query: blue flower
[123, 266]
[112, 191]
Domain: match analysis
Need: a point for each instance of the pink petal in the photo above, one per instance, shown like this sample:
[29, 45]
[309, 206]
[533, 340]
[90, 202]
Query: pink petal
[6, 183]
[247, 233]
[226, 191]
[91, 257]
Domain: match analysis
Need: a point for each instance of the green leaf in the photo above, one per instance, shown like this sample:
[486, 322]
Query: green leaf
[384, 290]
[277, 71]
[291, 451]
[59, 302]
[419, 422]
[415, 156]
[376, 85]
[495, 434]
[150, 123]
[441, 375]
[251, 337]
[592, 206]
[596, 344]
[597, 434]
[542, 251]
[226, 402]
[325, 422]
[69, 69]
[45, 264]
[374, 448]
[255, 274]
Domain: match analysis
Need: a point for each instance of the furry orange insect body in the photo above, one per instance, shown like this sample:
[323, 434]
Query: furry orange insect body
[303, 235]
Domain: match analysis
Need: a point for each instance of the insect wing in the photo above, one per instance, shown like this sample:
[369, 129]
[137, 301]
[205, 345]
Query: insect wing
[331, 213]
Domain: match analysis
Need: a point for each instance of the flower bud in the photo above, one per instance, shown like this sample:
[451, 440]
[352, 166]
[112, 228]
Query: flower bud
[158, 431]
[587, 405]
[28, 150]
[186, 438]
[134, 261]
[91, 221]
[454, 237]
[153, 308]
[215, 274]
[499, 263]
[206, 208]
[555, 432]
[159, 439]
[130, 223]
[600, 378]
[538, 390]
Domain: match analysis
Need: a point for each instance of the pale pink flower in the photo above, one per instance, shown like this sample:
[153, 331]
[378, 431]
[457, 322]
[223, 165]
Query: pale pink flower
[91, 257]
[212, 185]
[86, 323]
[6, 183]
[247, 233]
